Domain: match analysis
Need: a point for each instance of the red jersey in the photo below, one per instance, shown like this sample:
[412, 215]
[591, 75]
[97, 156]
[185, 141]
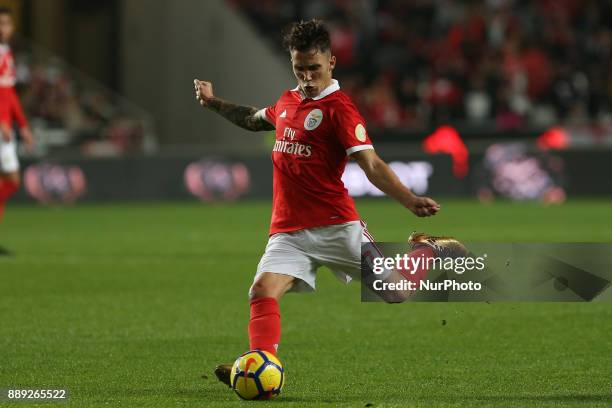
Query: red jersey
[10, 108]
[314, 137]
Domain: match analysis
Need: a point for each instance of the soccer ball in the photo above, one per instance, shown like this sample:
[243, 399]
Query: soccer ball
[257, 374]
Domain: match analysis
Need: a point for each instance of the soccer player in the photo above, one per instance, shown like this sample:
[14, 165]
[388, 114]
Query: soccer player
[314, 221]
[10, 112]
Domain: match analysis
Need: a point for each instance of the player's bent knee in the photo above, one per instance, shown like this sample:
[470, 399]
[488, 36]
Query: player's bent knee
[258, 290]
[262, 289]
[270, 285]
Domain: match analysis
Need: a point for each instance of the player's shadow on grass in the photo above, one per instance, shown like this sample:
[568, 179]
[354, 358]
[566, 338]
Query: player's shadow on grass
[314, 400]
[5, 252]
[187, 393]
[568, 398]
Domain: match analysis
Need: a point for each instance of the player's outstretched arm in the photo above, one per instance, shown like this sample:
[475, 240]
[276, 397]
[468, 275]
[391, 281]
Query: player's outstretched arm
[244, 116]
[381, 175]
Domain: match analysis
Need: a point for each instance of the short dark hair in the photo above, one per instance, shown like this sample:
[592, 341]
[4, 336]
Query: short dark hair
[6, 10]
[307, 35]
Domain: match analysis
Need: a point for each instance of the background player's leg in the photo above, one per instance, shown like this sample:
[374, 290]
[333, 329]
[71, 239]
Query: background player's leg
[9, 184]
[9, 165]
[265, 324]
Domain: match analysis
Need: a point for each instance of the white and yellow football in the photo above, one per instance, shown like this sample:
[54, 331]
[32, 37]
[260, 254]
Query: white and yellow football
[257, 374]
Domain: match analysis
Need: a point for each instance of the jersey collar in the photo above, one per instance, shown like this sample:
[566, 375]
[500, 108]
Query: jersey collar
[335, 86]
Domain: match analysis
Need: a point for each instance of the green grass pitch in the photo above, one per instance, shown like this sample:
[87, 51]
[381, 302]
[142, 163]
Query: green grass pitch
[129, 304]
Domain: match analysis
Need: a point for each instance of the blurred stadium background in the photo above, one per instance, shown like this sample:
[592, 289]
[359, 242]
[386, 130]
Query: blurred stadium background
[489, 98]
[126, 304]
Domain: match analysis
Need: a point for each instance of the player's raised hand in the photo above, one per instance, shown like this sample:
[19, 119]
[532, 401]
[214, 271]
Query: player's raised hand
[424, 207]
[204, 91]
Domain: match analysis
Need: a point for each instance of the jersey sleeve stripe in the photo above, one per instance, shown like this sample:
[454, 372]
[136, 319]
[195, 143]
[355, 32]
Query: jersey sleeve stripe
[359, 148]
[261, 114]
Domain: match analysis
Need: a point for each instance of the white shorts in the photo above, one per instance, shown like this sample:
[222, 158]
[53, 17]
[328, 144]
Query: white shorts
[301, 253]
[8, 156]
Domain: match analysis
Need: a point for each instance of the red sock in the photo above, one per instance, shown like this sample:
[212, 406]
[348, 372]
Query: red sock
[265, 325]
[7, 189]
[420, 272]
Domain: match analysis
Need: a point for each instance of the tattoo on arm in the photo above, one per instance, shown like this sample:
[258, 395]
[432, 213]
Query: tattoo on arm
[243, 116]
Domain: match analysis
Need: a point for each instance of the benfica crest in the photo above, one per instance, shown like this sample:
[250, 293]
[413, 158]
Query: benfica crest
[313, 119]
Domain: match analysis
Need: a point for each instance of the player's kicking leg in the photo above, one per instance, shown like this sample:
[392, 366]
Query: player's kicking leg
[428, 246]
[441, 247]
[423, 246]
[265, 323]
